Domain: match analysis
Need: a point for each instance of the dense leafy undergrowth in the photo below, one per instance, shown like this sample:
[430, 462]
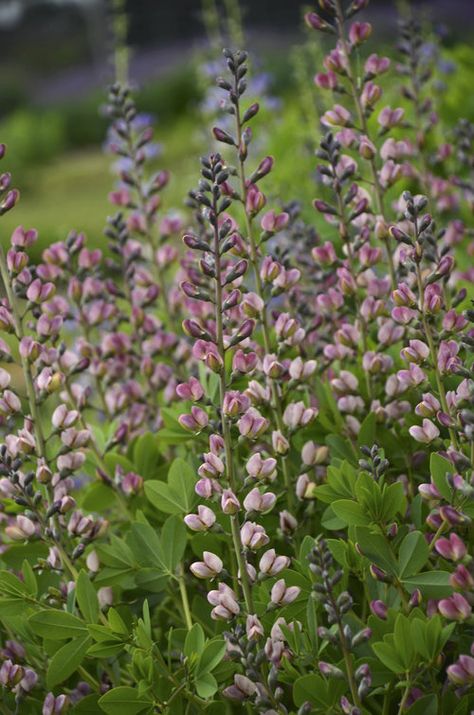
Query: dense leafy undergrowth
[238, 476]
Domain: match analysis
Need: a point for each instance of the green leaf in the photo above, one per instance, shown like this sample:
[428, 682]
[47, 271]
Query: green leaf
[206, 685]
[29, 578]
[57, 625]
[86, 597]
[211, 656]
[366, 434]
[10, 585]
[116, 622]
[439, 467]
[427, 705]
[195, 640]
[87, 706]
[386, 653]
[146, 456]
[173, 541]
[178, 495]
[314, 689]
[123, 701]
[146, 546]
[413, 554]
[403, 641]
[350, 512]
[341, 448]
[432, 584]
[376, 549]
[66, 660]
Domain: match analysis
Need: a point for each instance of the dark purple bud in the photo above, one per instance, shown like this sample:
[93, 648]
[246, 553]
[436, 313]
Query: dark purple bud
[223, 137]
[195, 243]
[10, 200]
[250, 113]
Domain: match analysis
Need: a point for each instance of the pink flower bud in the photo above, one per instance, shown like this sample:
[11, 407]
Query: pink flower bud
[282, 595]
[253, 536]
[425, 434]
[270, 564]
[455, 608]
[210, 567]
[252, 425]
[324, 255]
[260, 468]
[359, 32]
[452, 548]
[194, 422]
[202, 521]
[254, 628]
[272, 222]
[256, 501]
[229, 502]
[190, 390]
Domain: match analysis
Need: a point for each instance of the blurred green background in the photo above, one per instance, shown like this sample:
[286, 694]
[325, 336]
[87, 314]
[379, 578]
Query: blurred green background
[53, 87]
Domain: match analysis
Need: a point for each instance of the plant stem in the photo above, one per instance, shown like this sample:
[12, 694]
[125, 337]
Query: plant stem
[433, 351]
[378, 193]
[276, 398]
[234, 518]
[184, 598]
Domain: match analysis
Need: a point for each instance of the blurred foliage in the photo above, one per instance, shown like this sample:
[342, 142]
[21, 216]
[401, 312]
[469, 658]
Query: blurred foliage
[58, 164]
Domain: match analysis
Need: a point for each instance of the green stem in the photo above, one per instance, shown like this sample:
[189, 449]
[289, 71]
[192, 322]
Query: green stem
[184, 598]
[433, 352]
[275, 396]
[234, 518]
[378, 193]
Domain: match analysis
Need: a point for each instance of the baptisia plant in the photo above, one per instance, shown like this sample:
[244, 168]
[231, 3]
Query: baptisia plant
[237, 470]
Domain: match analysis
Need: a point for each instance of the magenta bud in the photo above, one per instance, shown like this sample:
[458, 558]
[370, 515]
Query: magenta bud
[379, 609]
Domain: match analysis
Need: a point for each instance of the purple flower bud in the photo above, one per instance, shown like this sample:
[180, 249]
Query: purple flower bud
[9, 201]
[359, 32]
[194, 422]
[461, 579]
[455, 608]
[452, 548]
[379, 609]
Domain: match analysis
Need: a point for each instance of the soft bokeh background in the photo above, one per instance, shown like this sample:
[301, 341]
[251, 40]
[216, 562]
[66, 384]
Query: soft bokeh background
[58, 56]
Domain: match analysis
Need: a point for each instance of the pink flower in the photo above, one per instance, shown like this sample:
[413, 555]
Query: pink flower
[389, 117]
[452, 548]
[202, 521]
[455, 608]
[273, 222]
[425, 434]
[270, 564]
[325, 254]
[338, 116]
[209, 567]
[190, 390]
[282, 595]
[256, 501]
[359, 32]
[253, 536]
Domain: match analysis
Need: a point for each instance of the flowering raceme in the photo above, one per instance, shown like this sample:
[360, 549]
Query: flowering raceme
[236, 470]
